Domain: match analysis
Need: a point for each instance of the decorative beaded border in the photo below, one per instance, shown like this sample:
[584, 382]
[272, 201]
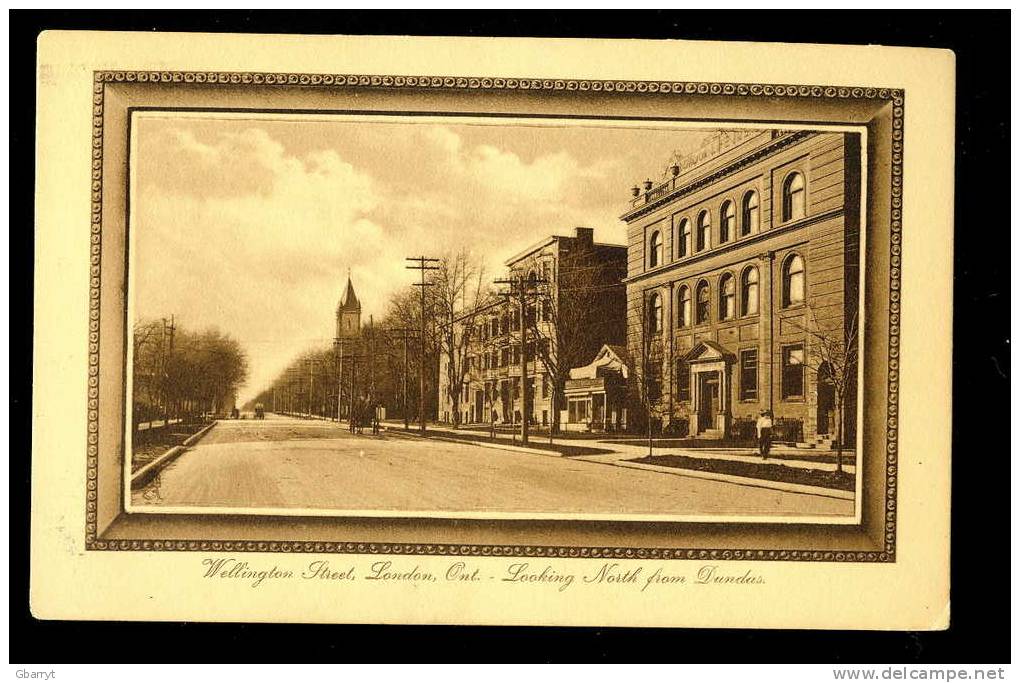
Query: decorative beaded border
[896, 96]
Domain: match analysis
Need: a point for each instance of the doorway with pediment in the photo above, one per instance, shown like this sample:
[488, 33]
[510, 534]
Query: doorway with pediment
[709, 364]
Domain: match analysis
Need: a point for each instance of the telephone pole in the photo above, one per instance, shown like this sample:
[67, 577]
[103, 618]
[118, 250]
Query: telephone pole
[168, 332]
[354, 358]
[422, 264]
[522, 288]
[404, 333]
[339, 344]
[311, 384]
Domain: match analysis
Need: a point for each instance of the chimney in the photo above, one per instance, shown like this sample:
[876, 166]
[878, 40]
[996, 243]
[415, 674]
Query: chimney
[585, 235]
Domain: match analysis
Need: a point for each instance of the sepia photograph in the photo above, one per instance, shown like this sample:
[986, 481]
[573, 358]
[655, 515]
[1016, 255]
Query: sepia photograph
[494, 317]
[406, 330]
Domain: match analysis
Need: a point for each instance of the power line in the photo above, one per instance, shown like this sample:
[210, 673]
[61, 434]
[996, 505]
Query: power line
[422, 264]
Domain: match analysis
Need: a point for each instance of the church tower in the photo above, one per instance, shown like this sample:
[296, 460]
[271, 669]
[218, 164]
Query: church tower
[348, 314]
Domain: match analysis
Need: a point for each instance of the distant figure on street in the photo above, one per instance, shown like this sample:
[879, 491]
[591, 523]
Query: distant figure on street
[377, 418]
[764, 427]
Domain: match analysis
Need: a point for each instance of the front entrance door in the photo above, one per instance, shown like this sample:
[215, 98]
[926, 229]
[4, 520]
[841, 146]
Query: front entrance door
[598, 411]
[708, 399]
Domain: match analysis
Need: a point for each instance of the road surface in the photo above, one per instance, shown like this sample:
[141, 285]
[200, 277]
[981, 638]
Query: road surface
[284, 462]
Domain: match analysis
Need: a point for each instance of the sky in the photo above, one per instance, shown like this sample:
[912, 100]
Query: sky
[250, 225]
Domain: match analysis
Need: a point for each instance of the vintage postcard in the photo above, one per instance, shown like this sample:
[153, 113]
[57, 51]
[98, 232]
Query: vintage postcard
[492, 331]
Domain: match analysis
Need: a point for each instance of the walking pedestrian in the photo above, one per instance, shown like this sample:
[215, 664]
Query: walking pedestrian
[764, 427]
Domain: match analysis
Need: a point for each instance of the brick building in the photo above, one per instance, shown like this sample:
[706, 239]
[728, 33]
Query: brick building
[742, 285]
[578, 306]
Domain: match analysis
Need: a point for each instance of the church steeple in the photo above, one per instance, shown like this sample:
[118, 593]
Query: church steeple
[348, 312]
[349, 300]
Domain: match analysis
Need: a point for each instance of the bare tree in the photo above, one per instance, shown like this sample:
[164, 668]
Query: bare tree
[404, 312]
[459, 290]
[832, 355]
[650, 381]
[147, 345]
[203, 373]
[566, 323]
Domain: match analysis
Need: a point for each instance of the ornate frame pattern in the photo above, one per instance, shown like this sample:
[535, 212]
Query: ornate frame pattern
[894, 96]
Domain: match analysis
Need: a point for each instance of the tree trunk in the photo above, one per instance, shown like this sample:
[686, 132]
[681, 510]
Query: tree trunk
[554, 408]
[839, 435]
[553, 422]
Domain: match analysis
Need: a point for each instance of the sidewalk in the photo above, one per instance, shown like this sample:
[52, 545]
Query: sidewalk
[637, 448]
[626, 454]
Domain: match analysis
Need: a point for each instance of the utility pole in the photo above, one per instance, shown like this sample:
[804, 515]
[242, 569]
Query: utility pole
[371, 359]
[168, 331]
[522, 288]
[339, 344]
[354, 358]
[311, 384]
[422, 264]
[404, 333]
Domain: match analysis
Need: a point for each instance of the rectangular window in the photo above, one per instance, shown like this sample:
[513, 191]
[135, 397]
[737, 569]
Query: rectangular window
[793, 371]
[749, 375]
[545, 386]
[577, 410]
[683, 381]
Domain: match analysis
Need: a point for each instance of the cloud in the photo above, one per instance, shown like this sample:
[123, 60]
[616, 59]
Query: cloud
[234, 228]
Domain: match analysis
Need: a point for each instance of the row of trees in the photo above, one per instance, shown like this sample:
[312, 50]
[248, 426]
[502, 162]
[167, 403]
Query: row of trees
[376, 370]
[180, 373]
[460, 295]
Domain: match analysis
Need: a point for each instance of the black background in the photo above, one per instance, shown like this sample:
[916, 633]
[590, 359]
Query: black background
[981, 548]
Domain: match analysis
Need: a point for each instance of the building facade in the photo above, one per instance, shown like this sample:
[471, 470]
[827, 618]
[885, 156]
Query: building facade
[742, 286]
[576, 303]
[596, 394]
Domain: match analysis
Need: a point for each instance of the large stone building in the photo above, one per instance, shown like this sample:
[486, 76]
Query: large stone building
[577, 305]
[742, 285]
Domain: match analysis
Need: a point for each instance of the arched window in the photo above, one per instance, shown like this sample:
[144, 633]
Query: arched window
[749, 291]
[793, 280]
[683, 317]
[729, 222]
[655, 249]
[704, 231]
[704, 306]
[684, 238]
[793, 196]
[655, 314]
[727, 297]
[749, 224]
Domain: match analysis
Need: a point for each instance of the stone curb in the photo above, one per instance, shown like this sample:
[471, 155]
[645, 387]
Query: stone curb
[675, 471]
[148, 473]
[484, 444]
[732, 479]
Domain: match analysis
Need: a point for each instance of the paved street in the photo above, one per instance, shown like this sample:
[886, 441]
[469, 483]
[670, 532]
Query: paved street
[285, 462]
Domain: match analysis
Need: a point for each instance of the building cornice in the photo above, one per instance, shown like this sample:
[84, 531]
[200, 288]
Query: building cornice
[722, 171]
[700, 257]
